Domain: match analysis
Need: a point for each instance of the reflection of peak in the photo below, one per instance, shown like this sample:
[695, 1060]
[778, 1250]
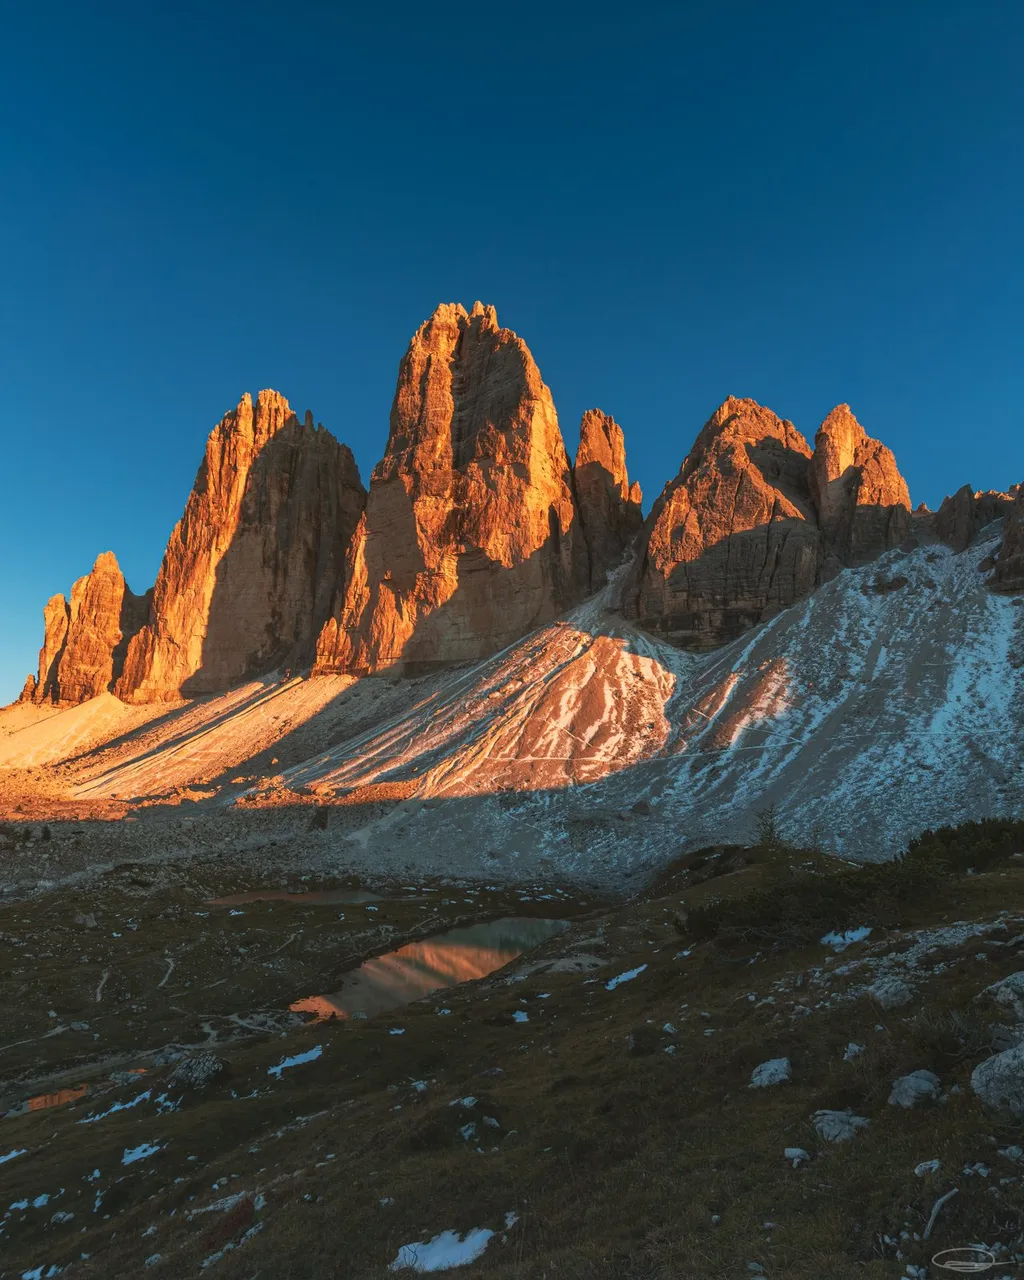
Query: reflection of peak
[399, 977]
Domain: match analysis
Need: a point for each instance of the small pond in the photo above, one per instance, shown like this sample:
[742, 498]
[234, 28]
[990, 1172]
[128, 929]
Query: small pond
[418, 968]
[314, 898]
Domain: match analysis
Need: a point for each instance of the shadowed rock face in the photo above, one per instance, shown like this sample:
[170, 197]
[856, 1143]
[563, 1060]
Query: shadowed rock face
[962, 516]
[755, 521]
[733, 538]
[862, 501]
[1009, 570]
[256, 561]
[609, 507]
[471, 535]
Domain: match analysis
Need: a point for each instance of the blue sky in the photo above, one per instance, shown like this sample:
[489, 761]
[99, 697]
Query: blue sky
[804, 203]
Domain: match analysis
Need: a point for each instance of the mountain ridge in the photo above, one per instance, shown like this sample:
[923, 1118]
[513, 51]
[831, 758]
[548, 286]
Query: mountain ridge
[476, 528]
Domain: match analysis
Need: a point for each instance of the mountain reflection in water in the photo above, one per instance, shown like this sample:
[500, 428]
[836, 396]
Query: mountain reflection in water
[314, 898]
[43, 1101]
[401, 976]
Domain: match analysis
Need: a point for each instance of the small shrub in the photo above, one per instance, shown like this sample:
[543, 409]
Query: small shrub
[769, 835]
[972, 845]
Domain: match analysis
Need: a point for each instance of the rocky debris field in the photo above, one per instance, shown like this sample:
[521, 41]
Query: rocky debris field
[763, 1065]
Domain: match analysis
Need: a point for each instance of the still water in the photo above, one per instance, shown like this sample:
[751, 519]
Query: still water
[417, 969]
[315, 898]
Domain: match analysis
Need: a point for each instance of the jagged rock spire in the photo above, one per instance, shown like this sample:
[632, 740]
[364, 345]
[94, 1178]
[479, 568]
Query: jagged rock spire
[733, 538]
[471, 534]
[256, 561]
[609, 506]
[862, 501]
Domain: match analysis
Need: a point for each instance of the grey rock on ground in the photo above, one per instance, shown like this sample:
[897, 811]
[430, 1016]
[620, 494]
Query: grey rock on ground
[774, 1071]
[1009, 991]
[195, 1073]
[914, 1089]
[838, 1126]
[891, 992]
[999, 1080]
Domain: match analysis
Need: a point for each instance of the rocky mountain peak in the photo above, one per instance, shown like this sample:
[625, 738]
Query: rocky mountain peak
[1009, 569]
[471, 535]
[862, 501]
[256, 562]
[733, 538]
[85, 638]
[963, 515]
[610, 508]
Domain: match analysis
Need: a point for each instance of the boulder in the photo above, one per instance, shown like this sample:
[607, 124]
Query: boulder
[862, 501]
[733, 538]
[196, 1073]
[256, 563]
[774, 1071]
[471, 535]
[609, 506]
[891, 992]
[838, 1126]
[1009, 991]
[914, 1089]
[999, 1080]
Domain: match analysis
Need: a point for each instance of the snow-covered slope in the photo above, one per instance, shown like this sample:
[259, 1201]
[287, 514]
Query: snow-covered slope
[888, 702]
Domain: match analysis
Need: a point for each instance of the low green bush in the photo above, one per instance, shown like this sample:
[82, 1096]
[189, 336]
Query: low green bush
[799, 907]
[973, 846]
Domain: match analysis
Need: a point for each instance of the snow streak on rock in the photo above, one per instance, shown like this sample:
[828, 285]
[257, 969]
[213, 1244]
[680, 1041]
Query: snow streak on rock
[888, 702]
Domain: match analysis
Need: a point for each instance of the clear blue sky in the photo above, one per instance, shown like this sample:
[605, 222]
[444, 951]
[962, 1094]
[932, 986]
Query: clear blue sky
[801, 202]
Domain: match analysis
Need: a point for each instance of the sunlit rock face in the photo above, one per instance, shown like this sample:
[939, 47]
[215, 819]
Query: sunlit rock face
[256, 562]
[862, 501]
[733, 538]
[1009, 570]
[55, 632]
[609, 506]
[103, 615]
[471, 535]
[85, 639]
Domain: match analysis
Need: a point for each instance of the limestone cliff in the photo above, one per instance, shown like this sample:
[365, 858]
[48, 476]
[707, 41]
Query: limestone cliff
[55, 633]
[103, 615]
[609, 507]
[862, 501]
[1009, 570]
[253, 566]
[471, 534]
[733, 538]
[962, 516]
[85, 638]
